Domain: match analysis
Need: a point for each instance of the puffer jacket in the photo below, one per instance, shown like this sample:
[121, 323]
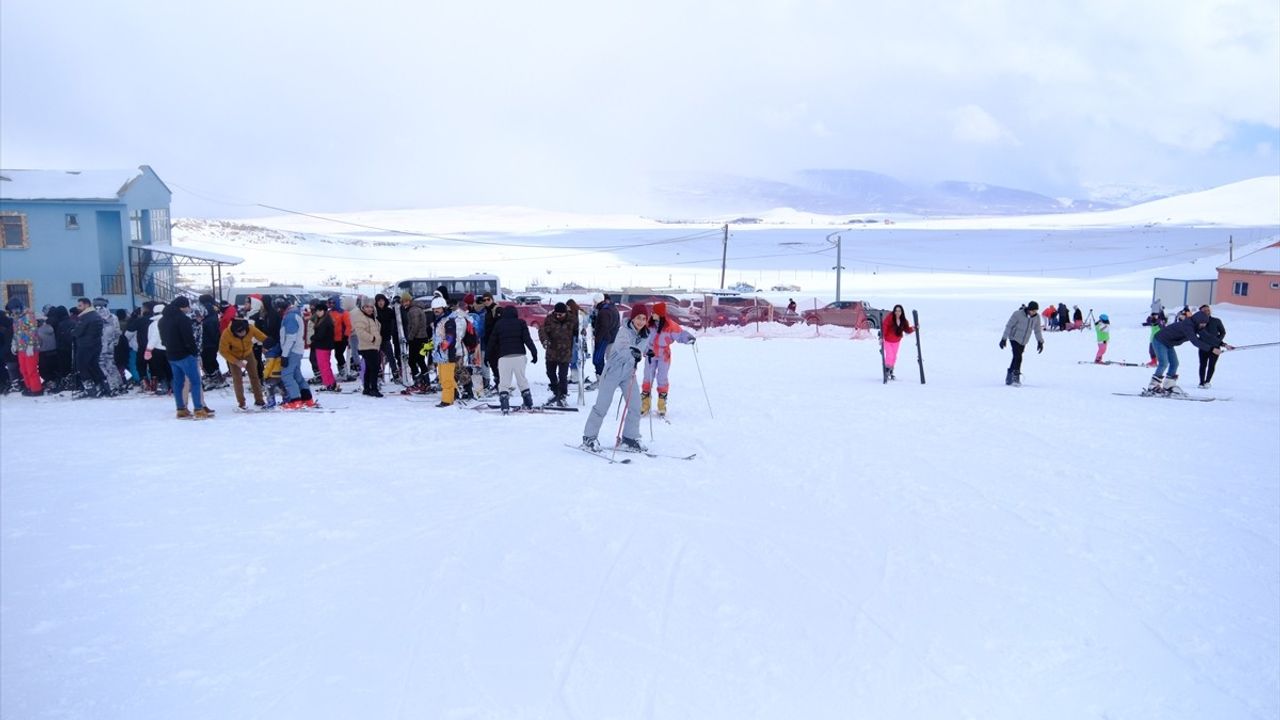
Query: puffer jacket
[366, 329]
[510, 336]
[1021, 325]
[48, 338]
[1192, 329]
[87, 332]
[291, 332]
[619, 358]
[235, 349]
[666, 331]
[110, 330]
[26, 335]
[556, 337]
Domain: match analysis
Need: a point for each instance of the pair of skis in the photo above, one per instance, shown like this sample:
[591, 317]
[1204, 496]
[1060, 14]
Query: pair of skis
[623, 460]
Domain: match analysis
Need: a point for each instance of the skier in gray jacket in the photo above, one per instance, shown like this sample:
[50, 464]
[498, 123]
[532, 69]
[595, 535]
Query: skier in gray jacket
[1017, 331]
[632, 343]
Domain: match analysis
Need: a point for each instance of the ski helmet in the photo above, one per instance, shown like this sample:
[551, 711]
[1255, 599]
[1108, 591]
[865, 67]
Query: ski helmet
[1103, 317]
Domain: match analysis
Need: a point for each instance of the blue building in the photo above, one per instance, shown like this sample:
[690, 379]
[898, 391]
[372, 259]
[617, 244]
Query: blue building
[91, 233]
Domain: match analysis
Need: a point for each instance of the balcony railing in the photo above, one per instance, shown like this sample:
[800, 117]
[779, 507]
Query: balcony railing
[113, 284]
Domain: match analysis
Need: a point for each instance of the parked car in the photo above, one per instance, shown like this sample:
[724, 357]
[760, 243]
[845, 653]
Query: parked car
[845, 313]
[768, 313]
[533, 315]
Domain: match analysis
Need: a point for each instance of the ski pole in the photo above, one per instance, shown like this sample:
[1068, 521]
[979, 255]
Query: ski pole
[626, 406]
[1250, 347]
[701, 381]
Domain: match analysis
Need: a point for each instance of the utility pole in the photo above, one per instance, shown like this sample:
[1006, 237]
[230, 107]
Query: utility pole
[1231, 248]
[724, 254]
[838, 266]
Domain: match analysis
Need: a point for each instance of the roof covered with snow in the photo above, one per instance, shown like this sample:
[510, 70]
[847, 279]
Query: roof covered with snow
[65, 184]
[1265, 260]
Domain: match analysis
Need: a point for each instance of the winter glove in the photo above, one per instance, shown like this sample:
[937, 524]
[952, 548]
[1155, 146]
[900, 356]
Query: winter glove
[648, 354]
[535, 359]
[635, 355]
[693, 340]
[1040, 346]
[1002, 343]
[284, 361]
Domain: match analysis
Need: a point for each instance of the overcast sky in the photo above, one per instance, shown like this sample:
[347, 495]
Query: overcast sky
[380, 104]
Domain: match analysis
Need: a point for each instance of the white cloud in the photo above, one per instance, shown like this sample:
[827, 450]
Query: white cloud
[329, 105]
[972, 124]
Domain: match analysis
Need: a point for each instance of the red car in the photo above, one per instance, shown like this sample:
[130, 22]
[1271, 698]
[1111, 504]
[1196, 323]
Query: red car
[532, 315]
[845, 313]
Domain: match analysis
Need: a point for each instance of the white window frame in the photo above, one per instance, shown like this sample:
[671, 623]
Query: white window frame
[160, 227]
[1240, 288]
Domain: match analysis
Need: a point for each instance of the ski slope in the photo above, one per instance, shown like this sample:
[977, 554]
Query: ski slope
[839, 548]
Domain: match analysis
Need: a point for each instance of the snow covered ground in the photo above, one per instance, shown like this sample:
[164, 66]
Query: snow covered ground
[839, 548]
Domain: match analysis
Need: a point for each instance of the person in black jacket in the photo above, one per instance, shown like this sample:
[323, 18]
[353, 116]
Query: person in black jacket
[386, 316]
[604, 327]
[323, 345]
[1217, 332]
[1175, 334]
[507, 342]
[179, 339]
[86, 335]
[210, 333]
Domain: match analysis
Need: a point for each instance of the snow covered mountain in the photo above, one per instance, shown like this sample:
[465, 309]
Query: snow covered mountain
[841, 191]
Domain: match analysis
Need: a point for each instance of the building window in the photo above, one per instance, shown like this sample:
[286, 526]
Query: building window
[160, 227]
[77, 290]
[135, 226]
[13, 231]
[1275, 286]
[73, 221]
[1240, 288]
[19, 289]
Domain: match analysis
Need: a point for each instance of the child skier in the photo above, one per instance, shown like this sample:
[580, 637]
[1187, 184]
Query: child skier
[1103, 330]
[665, 331]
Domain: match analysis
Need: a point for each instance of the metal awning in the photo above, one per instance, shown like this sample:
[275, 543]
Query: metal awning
[188, 256]
[153, 269]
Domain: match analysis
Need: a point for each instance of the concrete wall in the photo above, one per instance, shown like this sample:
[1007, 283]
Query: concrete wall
[57, 256]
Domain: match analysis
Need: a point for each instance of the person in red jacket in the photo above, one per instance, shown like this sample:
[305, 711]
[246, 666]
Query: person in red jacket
[341, 331]
[893, 329]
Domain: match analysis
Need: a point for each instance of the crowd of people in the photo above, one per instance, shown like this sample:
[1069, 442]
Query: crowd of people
[1206, 332]
[462, 348]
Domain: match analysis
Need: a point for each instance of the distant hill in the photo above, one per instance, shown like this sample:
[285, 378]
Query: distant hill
[839, 192]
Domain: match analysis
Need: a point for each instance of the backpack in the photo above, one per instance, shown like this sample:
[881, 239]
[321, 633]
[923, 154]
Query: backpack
[469, 338]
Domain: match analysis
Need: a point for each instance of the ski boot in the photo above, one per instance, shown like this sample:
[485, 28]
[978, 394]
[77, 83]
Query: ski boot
[504, 400]
[644, 403]
[590, 444]
[1017, 379]
[527, 397]
[1008, 377]
[631, 445]
[662, 405]
[1156, 387]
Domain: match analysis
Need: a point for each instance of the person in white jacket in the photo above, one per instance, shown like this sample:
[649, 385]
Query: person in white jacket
[155, 355]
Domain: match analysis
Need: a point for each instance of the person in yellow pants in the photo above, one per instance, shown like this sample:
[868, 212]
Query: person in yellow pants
[446, 352]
